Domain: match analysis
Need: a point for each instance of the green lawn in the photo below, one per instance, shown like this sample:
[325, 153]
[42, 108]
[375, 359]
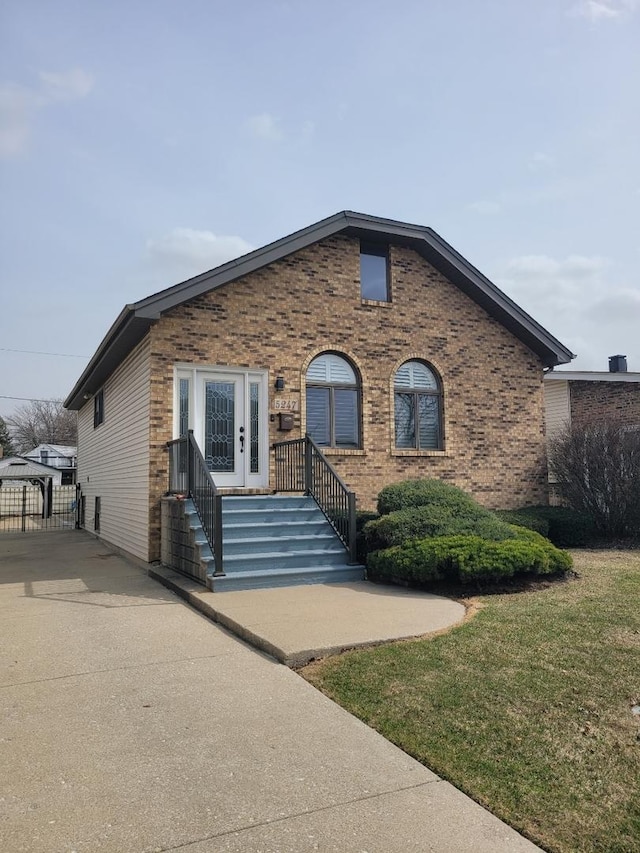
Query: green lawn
[526, 707]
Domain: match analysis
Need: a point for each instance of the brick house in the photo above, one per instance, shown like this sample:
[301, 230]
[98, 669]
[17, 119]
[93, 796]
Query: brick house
[375, 337]
[578, 397]
[573, 397]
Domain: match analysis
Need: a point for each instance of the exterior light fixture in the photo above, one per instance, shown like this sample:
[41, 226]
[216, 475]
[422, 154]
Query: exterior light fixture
[280, 383]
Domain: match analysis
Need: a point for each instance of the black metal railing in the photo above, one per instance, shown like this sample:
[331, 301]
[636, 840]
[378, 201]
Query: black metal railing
[33, 507]
[302, 467]
[189, 475]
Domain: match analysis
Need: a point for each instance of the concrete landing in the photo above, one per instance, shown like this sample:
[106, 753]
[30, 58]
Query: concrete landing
[301, 623]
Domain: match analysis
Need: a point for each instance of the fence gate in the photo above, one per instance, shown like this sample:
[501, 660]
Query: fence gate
[29, 508]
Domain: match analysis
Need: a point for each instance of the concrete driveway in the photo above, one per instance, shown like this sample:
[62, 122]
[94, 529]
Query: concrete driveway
[133, 723]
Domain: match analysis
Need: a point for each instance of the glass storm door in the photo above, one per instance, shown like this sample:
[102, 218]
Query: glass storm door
[234, 428]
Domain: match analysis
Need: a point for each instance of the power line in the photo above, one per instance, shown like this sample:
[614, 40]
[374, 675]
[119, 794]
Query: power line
[35, 352]
[28, 399]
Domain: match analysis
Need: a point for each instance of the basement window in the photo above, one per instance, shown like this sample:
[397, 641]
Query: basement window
[374, 272]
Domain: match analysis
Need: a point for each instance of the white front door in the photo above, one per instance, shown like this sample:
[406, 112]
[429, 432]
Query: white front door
[227, 409]
[231, 426]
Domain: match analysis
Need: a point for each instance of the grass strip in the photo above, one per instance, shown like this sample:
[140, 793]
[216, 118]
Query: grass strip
[526, 707]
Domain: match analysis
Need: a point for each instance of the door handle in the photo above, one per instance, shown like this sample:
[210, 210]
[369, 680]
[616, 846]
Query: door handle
[241, 439]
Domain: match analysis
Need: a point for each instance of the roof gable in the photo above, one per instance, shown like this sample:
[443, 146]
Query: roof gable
[57, 449]
[19, 467]
[134, 321]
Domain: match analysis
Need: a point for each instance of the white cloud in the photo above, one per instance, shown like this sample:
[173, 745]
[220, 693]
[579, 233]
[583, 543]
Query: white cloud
[539, 160]
[485, 208]
[308, 129]
[17, 107]
[579, 300]
[603, 10]
[185, 252]
[20, 104]
[265, 126]
[66, 85]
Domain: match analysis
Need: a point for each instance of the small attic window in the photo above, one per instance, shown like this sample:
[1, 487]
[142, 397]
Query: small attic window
[374, 272]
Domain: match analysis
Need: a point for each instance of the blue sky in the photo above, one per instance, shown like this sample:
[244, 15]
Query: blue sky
[144, 142]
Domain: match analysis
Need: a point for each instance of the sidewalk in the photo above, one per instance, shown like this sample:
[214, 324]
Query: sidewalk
[133, 723]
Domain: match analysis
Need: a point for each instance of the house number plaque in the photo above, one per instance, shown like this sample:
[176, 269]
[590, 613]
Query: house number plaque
[283, 405]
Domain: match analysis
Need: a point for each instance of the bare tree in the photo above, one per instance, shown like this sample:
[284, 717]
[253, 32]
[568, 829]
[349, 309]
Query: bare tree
[5, 439]
[597, 466]
[42, 422]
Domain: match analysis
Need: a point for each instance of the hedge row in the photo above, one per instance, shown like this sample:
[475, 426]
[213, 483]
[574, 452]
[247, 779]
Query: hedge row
[565, 527]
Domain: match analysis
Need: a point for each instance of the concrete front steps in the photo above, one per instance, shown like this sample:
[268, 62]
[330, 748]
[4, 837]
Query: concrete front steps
[277, 540]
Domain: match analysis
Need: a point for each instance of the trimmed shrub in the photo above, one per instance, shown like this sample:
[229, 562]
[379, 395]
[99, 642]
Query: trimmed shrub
[362, 518]
[434, 520]
[411, 493]
[565, 527]
[462, 559]
[568, 528]
[524, 518]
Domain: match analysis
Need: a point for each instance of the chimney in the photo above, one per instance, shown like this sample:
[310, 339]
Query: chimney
[617, 364]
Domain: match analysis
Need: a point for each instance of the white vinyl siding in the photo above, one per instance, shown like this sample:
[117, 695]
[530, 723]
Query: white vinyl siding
[113, 460]
[557, 412]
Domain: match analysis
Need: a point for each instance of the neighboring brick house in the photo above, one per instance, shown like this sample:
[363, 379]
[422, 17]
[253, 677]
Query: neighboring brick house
[580, 397]
[392, 351]
[577, 398]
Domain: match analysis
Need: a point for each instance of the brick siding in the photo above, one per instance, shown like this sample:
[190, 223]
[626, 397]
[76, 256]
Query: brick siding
[281, 316]
[595, 400]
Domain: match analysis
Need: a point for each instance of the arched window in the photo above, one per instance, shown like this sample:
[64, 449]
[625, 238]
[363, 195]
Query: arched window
[418, 407]
[333, 402]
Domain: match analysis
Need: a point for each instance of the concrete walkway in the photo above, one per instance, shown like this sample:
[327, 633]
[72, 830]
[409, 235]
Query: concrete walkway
[132, 723]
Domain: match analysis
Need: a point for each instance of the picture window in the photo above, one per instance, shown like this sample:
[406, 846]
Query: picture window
[333, 402]
[374, 272]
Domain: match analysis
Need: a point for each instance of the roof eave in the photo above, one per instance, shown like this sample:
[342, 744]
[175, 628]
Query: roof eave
[135, 320]
[122, 337]
[591, 376]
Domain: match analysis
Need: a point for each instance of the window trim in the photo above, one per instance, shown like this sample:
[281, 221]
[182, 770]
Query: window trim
[332, 387]
[416, 392]
[98, 408]
[377, 250]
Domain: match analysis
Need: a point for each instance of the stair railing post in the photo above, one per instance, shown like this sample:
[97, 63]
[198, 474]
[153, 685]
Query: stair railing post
[217, 541]
[308, 466]
[190, 462]
[352, 528]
